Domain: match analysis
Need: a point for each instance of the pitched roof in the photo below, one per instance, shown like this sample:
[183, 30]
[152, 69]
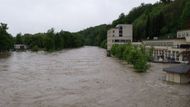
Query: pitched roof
[181, 69]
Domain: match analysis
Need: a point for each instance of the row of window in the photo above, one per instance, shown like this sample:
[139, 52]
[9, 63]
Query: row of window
[120, 41]
[184, 34]
[159, 43]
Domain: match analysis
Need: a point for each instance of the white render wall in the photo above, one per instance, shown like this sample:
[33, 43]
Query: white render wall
[114, 38]
[127, 31]
[177, 78]
[183, 33]
[173, 77]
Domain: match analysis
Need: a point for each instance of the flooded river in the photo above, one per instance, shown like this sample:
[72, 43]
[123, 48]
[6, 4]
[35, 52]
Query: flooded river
[84, 77]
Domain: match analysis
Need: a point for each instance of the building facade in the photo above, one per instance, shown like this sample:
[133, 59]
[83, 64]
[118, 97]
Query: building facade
[183, 34]
[168, 50]
[20, 47]
[121, 34]
[171, 50]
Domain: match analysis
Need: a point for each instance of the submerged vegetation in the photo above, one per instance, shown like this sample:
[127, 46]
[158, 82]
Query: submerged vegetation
[137, 56]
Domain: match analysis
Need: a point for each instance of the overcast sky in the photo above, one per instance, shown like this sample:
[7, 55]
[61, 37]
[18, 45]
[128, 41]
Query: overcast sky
[32, 16]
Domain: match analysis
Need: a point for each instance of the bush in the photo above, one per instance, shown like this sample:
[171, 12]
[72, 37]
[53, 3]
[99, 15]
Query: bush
[140, 64]
[113, 49]
[35, 48]
[137, 56]
[104, 44]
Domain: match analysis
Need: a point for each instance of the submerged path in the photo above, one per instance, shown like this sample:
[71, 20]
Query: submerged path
[84, 77]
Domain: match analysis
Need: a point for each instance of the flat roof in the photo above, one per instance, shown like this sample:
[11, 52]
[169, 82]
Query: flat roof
[180, 69]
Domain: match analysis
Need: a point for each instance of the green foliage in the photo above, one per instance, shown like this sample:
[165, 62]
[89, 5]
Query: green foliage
[19, 39]
[137, 56]
[104, 44]
[51, 41]
[35, 48]
[6, 40]
[140, 63]
[185, 17]
[94, 36]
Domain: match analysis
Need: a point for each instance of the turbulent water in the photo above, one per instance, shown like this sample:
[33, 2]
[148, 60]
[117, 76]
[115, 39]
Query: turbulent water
[83, 77]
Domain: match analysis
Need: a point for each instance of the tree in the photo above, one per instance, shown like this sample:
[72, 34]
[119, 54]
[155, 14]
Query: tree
[185, 17]
[6, 40]
[19, 39]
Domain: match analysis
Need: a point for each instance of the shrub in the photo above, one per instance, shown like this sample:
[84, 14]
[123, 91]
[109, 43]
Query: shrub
[35, 48]
[140, 64]
[137, 56]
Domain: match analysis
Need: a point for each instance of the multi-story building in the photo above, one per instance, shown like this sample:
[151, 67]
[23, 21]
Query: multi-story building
[121, 34]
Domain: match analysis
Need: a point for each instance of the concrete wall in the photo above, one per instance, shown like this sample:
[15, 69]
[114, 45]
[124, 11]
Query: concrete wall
[172, 77]
[113, 35]
[177, 78]
[184, 78]
[183, 33]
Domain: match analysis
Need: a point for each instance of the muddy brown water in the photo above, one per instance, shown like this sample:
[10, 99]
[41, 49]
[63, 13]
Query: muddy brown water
[84, 77]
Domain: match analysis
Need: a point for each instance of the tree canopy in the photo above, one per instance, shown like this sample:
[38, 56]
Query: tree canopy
[6, 40]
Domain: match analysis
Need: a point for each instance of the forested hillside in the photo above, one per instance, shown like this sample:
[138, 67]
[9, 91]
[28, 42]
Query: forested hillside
[162, 19]
[95, 36]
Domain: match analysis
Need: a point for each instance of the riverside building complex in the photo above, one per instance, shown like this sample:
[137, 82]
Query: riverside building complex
[168, 50]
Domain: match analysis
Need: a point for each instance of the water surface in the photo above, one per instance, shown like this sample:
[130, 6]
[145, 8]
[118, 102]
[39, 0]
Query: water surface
[83, 77]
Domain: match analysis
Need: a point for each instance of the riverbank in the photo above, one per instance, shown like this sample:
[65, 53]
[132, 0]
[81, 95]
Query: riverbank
[84, 77]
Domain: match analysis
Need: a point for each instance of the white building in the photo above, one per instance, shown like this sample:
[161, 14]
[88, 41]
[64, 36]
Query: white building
[20, 47]
[183, 33]
[171, 50]
[121, 34]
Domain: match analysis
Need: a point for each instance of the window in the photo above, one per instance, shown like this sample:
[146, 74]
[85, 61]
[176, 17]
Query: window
[120, 31]
[116, 40]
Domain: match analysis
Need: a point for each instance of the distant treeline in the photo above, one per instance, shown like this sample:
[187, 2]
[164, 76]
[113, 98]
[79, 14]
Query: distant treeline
[50, 40]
